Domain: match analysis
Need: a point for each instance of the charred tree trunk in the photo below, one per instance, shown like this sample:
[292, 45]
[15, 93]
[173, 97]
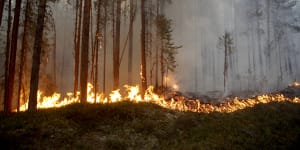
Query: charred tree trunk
[116, 50]
[36, 58]
[23, 53]
[1, 10]
[13, 54]
[143, 50]
[85, 52]
[77, 45]
[7, 55]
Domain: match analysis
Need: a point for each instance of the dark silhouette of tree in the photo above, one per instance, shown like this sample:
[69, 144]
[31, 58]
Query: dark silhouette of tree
[226, 42]
[7, 55]
[12, 59]
[36, 58]
[168, 48]
[85, 51]
[23, 52]
[104, 44]
[116, 49]
[143, 49]
[1, 10]
[130, 49]
[77, 40]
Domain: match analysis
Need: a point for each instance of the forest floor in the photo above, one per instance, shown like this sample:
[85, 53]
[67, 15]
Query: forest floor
[147, 126]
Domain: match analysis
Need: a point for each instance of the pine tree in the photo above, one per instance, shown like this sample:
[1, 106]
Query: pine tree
[23, 51]
[143, 49]
[36, 58]
[7, 55]
[85, 51]
[12, 58]
[168, 48]
[77, 42]
[226, 42]
[116, 49]
[1, 10]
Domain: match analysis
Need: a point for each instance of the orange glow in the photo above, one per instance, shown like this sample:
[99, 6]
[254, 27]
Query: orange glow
[132, 93]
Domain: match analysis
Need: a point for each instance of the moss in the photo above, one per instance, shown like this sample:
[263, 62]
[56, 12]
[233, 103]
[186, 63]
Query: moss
[146, 126]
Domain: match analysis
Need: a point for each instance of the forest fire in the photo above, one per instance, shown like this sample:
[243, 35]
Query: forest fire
[179, 103]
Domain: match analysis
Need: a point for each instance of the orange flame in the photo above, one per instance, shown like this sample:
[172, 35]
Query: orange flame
[180, 104]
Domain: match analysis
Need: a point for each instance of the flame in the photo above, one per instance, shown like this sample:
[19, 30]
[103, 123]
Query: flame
[179, 103]
[295, 84]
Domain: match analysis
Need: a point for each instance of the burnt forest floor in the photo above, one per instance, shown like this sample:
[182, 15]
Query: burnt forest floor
[147, 126]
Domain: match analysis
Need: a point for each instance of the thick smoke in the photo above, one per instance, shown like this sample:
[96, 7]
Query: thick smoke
[254, 66]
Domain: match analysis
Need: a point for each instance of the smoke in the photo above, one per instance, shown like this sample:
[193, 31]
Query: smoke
[200, 23]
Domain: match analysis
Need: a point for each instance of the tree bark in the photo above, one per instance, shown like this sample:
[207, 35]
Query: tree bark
[226, 39]
[7, 55]
[97, 39]
[36, 58]
[92, 74]
[104, 47]
[85, 52]
[130, 49]
[116, 51]
[12, 58]
[157, 45]
[1, 10]
[77, 47]
[23, 53]
[143, 50]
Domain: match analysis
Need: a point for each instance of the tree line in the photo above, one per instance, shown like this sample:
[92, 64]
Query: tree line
[31, 40]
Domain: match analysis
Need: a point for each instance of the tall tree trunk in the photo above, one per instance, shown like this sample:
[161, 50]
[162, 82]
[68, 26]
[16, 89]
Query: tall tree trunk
[104, 47]
[92, 47]
[54, 56]
[259, 38]
[13, 54]
[23, 52]
[85, 51]
[157, 45]
[143, 50]
[116, 51]
[36, 58]
[75, 43]
[268, 34]
[162, 64]
[97, 44]
[1, 10]
[7, 55]
[226, 46]
[77, 47]
[130, 50]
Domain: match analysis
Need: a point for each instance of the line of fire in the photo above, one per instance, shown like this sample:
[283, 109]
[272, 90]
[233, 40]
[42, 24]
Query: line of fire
[94, 47]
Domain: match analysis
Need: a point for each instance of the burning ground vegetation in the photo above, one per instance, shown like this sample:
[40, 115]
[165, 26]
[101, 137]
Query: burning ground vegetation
[263, 122]
[170, 99]
[126, 125]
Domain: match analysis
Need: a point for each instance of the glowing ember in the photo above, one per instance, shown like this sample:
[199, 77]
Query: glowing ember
[176, 103]
[295, 84]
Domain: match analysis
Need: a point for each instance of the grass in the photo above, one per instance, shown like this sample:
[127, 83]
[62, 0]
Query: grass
[147, 126]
